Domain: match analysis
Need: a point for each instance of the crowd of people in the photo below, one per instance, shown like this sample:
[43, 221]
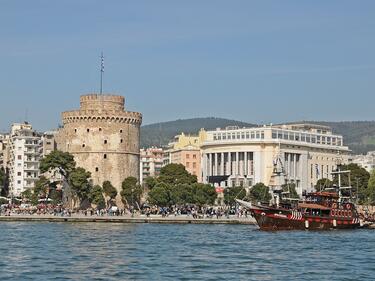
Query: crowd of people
[196, 212]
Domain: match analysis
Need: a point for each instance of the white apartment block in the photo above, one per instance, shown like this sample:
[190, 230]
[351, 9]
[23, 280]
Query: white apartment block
[365, 161]
[24, 157]
[151, 162]
[306, 152]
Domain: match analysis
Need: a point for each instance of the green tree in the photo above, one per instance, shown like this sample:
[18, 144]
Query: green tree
[131, 192]
[203, 194]
[160, 195]
[41, 187]
[109, 190]
[96, 197]
[150, 182]
[29, 195]
[370, 192]
[324, 183]
[181, 194]
[233, 193]
[359, 177]
[291, 188]
[260, 192]
[176, 174]
[79, 182]
[58, 159]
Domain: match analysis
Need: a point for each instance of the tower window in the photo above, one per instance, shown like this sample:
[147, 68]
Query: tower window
[96, 169]
[88, 130]
[100, 129]
[105, 141]
[75, 130]
[105, 156]
[121, 140]
[83, 145]
[120, 131]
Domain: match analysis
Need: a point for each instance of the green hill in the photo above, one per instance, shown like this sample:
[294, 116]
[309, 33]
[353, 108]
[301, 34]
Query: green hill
[159, 134]
[358, 135]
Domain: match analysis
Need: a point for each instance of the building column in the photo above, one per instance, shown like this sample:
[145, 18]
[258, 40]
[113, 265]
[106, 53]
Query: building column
[246, 165]
[295, 166]
[229, 165]
[222, 172]
[209, 165]
[237, 163]
[216, 165]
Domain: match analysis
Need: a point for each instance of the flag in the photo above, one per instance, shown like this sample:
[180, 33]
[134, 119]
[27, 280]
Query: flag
[317, 169]
[102, 64]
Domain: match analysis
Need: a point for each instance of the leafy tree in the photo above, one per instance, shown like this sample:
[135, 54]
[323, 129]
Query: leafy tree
[291, 188]
[58, 159]
[260, 192]
[30, 196]
[131, 192]
[160, 195]
[176, 174]
[359, 178]
[232, 193]
[321, 184]
[181, 194]
[150, 182]
[109, 190]
[203, 194]
[41, 187]
[79, 182]
[370, 192]
[96, 196]
[56, 196]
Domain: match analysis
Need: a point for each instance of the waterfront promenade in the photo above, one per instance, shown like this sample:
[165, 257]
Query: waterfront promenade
[78, 218]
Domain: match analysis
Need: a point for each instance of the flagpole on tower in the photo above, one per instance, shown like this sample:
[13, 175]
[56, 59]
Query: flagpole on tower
[101, 72]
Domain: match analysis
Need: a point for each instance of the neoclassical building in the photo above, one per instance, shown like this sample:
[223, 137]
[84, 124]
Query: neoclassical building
[103, 138]
[306, 153]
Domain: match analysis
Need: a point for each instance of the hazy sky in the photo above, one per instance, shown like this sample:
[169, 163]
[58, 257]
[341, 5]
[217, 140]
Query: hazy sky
[256, 61]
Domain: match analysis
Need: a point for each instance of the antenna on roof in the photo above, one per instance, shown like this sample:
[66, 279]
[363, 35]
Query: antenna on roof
[101, 72]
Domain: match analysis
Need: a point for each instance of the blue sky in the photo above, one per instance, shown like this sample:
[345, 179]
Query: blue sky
[256, 61]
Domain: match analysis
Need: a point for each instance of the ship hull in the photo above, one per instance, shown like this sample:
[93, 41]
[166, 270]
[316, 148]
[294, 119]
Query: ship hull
[273, 220]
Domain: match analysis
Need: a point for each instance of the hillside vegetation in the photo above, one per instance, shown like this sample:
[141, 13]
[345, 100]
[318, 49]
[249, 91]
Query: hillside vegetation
[358, 135]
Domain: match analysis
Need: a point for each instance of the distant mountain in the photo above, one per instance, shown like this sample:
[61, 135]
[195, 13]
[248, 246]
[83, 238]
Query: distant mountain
[159, 134]
[358, 135]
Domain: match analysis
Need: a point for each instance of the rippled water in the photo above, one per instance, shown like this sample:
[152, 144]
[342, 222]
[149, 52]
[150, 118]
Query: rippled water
[53, 251]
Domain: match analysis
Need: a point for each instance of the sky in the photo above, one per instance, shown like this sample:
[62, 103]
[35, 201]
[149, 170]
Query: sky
[254, 61]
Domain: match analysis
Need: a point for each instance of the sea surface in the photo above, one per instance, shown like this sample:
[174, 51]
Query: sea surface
[94, 251]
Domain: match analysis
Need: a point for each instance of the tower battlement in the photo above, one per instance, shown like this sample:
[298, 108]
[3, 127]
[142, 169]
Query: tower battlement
[100, 102]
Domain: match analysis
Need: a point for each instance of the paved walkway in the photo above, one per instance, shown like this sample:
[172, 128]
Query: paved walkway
[128, 219]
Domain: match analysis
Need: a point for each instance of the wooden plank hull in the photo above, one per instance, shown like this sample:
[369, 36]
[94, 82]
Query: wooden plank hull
[272, 220]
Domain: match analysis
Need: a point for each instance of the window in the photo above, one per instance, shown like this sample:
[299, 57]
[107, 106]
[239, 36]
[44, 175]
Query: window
[194, 156]
[257, 135]
[187, 156]
[187, 164]
[83, 145]
[19, 157]
[75, 130]
[105, 141]
[18, 182]
[100, 129]
[120, 131]
[105, 156]
[252, 135]
[121, 140]
[88, 130]
[247, 135]
[19, 174]
[194, 165]
[96, 169]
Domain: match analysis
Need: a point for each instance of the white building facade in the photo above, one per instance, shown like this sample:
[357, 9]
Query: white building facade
[151, 162]
[24, 156]
[247, 156]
